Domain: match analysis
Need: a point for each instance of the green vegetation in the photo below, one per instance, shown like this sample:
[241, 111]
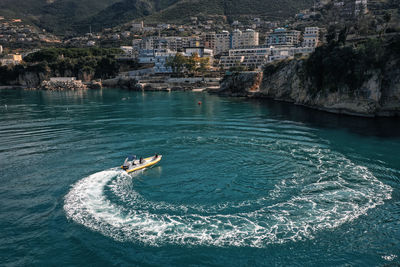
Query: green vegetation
[56, 16]
[193, 64]
[336, 67]
[84, 63]
[63, 16]
[183, 10]
[124, 11]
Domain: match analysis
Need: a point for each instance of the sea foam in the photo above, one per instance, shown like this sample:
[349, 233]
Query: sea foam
[331, 190]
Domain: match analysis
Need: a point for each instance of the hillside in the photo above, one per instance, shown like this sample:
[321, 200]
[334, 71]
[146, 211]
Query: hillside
[233, 8]
[124, 11]
[61, 16]
[54, 15]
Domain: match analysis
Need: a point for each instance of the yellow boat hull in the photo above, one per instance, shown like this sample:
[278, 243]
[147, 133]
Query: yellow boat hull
[147, 162]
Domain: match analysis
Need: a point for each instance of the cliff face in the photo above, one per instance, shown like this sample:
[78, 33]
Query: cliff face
[32, 79]
[241, 84]
[377, 95]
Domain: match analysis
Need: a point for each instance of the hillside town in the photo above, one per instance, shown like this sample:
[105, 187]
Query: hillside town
[205, 47]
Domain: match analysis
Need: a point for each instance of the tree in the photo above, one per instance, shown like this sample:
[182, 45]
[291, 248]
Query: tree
[387, 17]
[191, 63]
[331, 35]
[176, 63]
[343, 35]
[204, 64]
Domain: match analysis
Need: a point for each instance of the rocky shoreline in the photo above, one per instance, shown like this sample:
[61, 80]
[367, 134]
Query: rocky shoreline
[62, 85]
[378, 96]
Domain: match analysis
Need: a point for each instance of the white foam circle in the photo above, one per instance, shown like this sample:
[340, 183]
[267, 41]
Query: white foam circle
[335, 192]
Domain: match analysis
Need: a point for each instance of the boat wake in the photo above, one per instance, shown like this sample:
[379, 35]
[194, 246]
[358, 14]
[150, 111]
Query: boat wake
[334, 192]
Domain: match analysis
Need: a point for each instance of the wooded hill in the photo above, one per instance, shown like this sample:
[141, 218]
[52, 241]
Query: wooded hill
[60, 16]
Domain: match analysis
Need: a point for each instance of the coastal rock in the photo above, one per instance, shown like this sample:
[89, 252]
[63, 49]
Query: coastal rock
[378, 95]
[95, 85]
[62, 85]
[240, 83]
[32, 79]
[124, 83]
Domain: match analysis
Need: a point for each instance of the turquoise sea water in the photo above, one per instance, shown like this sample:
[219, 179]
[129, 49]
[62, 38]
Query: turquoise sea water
[241, 183]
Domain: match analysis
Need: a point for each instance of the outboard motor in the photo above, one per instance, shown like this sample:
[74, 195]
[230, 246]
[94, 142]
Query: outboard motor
[130, 160]
[126, 164]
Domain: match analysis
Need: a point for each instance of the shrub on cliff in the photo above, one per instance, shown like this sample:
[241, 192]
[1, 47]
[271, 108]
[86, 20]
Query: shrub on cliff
[334, 67]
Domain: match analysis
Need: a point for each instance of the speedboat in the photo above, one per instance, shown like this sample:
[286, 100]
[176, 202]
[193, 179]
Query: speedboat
[133, 164]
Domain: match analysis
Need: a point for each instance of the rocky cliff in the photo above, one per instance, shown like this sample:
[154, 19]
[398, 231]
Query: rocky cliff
[374, 91]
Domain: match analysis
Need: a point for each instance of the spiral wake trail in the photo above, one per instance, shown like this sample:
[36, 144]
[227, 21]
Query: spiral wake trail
[314, 189]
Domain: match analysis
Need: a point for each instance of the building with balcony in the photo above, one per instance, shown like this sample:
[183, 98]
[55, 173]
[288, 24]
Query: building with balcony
[311, 37]
[283, 37]
[241, 39]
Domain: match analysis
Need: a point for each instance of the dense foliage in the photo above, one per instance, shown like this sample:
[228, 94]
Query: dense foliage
[333, 67]
[84, 63]
[191, 65]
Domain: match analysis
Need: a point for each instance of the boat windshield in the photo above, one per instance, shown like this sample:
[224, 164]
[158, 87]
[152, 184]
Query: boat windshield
[131, 157]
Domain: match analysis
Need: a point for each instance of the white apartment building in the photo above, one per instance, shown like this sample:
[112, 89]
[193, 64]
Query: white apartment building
[250, 51]
[243, 39]
[250, 61]
[278, 53]
[246, 57]
[222, 42]
[311, 37]
[228, 62]
[172, 42]
[200, 51]
[283, 37]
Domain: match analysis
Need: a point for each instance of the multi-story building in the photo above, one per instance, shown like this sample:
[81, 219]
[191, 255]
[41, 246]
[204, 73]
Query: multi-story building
[241, 39]
[227, 62]
[209, 40]
[311, 37]
[350, 9]
[250, 51]
[173, 43]
[200, 51]
[137, 27]
[222, 42]
[251, 61]
[12, 59]
[246, 57]
[1, 49]
[278, 53]
[283, 37]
